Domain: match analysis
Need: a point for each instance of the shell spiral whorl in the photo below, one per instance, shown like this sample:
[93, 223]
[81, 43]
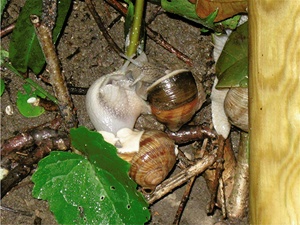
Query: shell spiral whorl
[154, 161]
[236, 107]
[174, 98]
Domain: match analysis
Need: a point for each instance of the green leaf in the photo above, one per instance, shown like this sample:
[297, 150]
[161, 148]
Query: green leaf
[187, 10]
[25, 108]
[24, 49]
[93, 190]
[230, 23]
[38, 88]
[104, 155]
[2, 87]
[232, 66]
[3, 55]
[2, 6]
[129, 18]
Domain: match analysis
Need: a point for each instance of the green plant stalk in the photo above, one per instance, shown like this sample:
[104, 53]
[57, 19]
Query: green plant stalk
[32, 83]
[136, 27]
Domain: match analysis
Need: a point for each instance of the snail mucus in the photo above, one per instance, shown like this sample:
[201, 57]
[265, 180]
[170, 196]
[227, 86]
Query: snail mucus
[116, 100]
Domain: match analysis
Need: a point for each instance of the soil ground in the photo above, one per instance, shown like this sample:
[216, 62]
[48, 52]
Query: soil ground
[95, 58]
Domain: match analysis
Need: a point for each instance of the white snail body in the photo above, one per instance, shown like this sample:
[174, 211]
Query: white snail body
[113, 104]
[225, 114]
[219, 117]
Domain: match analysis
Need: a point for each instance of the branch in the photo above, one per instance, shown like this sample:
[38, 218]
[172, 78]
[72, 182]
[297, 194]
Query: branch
[181, 178]
[101, 26]
[43, 30]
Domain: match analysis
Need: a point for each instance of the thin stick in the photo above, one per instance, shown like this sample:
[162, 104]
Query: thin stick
[156, 12]
[218, 174]
[184, 200]
[43, 30]
[21, 212]
[158, 39]
[181, 178]
[6, 30]
[239, 198]
[101, 26]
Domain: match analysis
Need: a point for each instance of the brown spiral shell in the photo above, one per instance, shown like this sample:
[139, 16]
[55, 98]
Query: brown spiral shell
[174, 98]
[236, 107]
[154, 161]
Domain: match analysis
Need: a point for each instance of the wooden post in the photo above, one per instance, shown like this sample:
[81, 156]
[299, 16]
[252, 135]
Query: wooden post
[274, 90]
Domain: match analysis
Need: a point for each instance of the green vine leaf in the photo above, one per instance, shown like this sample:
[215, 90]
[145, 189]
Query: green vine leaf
[232, 65]
[92, 190]
[24, 49]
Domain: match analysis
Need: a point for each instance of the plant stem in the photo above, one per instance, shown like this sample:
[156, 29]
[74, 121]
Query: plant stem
[136, 28]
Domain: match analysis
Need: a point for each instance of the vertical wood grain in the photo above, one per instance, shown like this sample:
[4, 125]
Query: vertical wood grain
[274, 89]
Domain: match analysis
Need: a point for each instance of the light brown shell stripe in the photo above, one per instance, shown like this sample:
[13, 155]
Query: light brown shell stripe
[173, 92]
[154, 161]
[177, 117]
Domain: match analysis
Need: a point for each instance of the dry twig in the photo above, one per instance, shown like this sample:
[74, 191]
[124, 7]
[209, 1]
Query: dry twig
[102, 28]
[180, 178]
[218, 174]
[43, 30]
[7, 30]
[183, 201]
[239, 198]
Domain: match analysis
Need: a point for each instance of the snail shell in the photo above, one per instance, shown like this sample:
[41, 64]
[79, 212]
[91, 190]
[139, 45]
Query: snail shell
[152, 154]
[236, 107]
[175, 98]
[154, 160]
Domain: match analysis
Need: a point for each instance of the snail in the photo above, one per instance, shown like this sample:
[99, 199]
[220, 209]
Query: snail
[235, 111]
[152, 154]
[114, 101]
[236, 107]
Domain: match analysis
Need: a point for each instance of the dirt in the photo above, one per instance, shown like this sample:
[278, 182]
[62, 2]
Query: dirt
[95, 58]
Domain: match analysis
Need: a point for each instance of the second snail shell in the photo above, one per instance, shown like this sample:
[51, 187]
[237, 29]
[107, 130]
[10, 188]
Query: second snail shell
[155, 159]
[151, 153]
[236, 107]
[175, 98]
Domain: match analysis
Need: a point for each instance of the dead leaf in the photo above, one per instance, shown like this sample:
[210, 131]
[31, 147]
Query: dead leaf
[227, 8]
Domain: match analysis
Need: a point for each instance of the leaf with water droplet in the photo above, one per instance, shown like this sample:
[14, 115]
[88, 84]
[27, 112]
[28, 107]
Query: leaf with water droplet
[28, 109]
[89, 190]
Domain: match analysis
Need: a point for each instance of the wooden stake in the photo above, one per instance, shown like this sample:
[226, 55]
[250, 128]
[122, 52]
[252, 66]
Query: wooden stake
[274, 111]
